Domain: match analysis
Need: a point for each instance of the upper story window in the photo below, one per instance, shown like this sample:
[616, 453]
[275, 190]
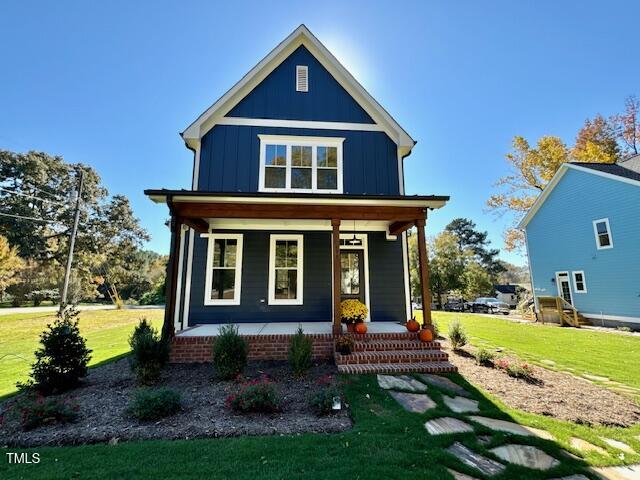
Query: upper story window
[300, 164]
[302, 78]
[602, 232]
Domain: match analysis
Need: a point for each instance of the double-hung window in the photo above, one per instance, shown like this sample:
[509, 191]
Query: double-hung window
[285, 270]
[300, 164]
[602, 231]
[224, 269]
[579, 283]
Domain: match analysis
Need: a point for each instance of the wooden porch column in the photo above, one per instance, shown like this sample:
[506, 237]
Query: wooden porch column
[335, 243]
[168, 328]
[424, 272]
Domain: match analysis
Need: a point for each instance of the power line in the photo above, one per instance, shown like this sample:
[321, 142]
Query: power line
[35, 219]
[32, 196]
[44, 191]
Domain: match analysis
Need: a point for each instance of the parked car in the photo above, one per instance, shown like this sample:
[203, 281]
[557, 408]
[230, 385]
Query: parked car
[454, 306]
[488, 305]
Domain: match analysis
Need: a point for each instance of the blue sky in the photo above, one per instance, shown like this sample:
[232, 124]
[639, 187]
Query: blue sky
[112, 83]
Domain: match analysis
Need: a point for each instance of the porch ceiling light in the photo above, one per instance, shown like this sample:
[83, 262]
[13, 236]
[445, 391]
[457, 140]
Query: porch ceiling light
[355, 241]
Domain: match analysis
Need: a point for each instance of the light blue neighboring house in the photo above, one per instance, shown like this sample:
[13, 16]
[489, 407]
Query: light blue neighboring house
[583, 240]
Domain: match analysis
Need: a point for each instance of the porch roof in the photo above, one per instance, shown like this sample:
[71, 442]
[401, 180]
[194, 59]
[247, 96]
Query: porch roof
[193, 208]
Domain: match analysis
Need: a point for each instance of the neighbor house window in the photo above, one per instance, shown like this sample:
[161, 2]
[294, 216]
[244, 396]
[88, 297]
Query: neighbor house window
[579, 284]
[285, 270]
[602, 231]
[224, 269]
[300, 164]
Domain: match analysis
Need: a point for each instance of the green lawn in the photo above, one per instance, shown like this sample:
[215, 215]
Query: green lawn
[578, 351]
[386, 442]
[106, 332]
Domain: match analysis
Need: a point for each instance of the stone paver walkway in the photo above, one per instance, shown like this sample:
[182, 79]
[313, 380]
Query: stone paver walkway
[461, 404]
[525, 456]
[618, 445]
[443, 383]
[401, 382]
[475, 460]
[414, 402]
[502, 425]
[631, 472]
[584, 446]
[445, 425]
[460, 476]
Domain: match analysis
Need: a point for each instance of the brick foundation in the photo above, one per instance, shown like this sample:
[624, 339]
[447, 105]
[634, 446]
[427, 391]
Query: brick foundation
[261, 347]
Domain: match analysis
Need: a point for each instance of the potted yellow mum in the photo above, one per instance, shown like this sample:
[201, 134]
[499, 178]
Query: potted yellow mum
[352, 312]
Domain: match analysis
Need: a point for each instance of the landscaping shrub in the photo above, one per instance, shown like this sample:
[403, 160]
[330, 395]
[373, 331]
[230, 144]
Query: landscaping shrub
[485, 357]
[259, 395]
[515, 368]
[300, 352]
[457, 335]
[322, 401]
[229, 352]
[149, 353]
[35, 411]
[153, 404]
[62, 359]
[344, 344]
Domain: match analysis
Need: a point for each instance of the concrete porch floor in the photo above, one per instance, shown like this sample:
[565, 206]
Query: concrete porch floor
[285, 328]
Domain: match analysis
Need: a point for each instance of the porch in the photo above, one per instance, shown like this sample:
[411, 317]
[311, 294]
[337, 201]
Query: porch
[207, 212]
[286, 328]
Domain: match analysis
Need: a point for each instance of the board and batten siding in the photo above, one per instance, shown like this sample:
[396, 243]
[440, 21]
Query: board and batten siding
[385, 270]
[276, 96]
[230, 159]
[560, 237]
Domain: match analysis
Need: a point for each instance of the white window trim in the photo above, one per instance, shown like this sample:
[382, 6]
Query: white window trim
[595, 232]
[564, 272]
[289, 141]
[299, 69]
[575, 281]
[212, 237]
[272, 269]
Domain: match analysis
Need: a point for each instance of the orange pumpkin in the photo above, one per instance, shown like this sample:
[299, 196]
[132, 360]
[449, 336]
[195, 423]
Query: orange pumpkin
[361, 328]
[426, 335]
[413, 325]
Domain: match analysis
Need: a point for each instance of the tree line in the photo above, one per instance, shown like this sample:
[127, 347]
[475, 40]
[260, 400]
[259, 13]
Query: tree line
[463, 264]
[36, 215]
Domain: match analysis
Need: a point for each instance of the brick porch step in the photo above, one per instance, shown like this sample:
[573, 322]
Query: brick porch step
[391, 356]
[393, 368]
[380, 345]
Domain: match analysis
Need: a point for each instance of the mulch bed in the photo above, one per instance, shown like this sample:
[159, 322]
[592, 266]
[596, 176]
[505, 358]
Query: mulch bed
[554, 394]
[108, 389]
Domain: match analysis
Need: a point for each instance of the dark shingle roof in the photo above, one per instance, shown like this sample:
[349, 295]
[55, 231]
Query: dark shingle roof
[610, 168]
[505, 288]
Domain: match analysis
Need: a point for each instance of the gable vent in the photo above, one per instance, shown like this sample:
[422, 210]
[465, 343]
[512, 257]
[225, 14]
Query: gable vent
[302, 78]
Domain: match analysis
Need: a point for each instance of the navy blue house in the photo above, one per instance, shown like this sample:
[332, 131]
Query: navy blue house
[297, 200]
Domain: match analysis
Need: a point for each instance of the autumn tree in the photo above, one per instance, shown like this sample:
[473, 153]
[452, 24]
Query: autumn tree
[10, 265]
[601, 140]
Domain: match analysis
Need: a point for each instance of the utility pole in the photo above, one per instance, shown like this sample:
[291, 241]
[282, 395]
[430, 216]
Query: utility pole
[72, 241]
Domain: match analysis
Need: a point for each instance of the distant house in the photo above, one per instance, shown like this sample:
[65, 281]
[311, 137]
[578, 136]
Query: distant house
[583, 240]
[506, 294]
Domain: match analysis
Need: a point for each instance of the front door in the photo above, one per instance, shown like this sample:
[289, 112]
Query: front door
[352, 282]
[564, 286]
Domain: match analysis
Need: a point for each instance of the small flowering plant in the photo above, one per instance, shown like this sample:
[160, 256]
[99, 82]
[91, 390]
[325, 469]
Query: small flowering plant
[353, 311]
[258, 395]
[35, 410]
[328, 398]
[514, 368]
